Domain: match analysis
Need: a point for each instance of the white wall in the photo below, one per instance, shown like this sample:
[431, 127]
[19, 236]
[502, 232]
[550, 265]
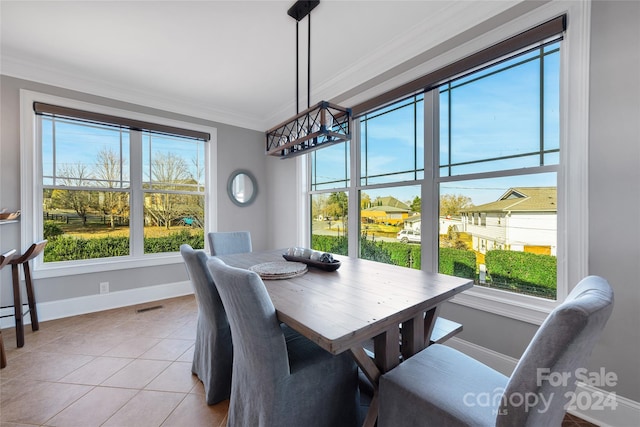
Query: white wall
[614, 183]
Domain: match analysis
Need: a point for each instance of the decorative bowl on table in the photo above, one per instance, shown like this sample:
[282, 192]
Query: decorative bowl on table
[323, 261]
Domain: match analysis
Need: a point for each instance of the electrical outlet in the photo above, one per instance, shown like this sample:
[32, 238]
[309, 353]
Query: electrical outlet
[104, 287]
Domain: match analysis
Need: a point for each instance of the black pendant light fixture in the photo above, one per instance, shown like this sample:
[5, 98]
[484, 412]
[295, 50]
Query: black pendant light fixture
[319, 126]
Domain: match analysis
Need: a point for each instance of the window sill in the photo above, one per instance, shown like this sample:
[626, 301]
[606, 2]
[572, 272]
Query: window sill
[525, 308]
[59, 269]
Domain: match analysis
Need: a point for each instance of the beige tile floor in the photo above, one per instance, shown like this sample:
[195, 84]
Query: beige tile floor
[119, 368]
[116, 368]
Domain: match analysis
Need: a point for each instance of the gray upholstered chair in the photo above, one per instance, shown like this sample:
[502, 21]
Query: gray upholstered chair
[229, 242]
[441, 386]
[213, 355]
[280, 378]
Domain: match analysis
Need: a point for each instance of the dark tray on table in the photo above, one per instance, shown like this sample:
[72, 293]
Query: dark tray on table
[327, 266]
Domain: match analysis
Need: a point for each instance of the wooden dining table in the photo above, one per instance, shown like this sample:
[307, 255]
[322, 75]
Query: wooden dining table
[362, 301]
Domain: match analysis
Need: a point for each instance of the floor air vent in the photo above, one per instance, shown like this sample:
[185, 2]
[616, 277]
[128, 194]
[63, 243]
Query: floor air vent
[155, 307]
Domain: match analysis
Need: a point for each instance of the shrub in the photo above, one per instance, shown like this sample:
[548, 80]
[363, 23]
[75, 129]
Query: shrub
[333, 244]
[457, 262]
[68, 248]
[172, 242]
[51, 230]
[375, 251]
[402, 254]
[517, 270]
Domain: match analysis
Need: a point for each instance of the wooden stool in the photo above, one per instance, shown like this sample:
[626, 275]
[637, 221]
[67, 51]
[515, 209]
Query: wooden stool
[4, 260]
[33, 251]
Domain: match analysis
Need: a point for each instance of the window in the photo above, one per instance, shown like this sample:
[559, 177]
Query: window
[119, 193]
[330, 176]
[85, 189]
[174, 188]
[392, 144]
[477, 171]
[500, 127]
[391, 156]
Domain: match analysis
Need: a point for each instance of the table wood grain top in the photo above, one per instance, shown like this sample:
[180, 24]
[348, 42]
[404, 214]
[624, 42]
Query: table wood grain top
[343, 308]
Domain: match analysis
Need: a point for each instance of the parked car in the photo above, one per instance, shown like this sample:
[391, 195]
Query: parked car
[406, 236]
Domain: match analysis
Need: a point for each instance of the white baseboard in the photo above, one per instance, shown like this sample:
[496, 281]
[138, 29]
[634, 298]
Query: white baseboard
[625, 414]
[99, 302]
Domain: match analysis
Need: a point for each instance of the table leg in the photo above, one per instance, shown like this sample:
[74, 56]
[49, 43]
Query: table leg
[386, 347]
[387, 356]
[372, 413]
[371, 371]
[429, 321]
[412, 336]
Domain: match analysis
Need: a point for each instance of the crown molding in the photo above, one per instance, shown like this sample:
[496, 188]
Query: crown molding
[398, 50]
[14, 66]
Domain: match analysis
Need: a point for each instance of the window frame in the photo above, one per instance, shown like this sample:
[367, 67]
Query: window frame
[572, 178]
[31, 178]
[573, 234]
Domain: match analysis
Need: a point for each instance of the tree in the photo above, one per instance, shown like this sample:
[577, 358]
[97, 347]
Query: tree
[416, 204]
[169, 172]
[108, 170]
[365, 200]
[319, 206]
[452, 240]
[338, 205]
[452, 204]
[79, 200]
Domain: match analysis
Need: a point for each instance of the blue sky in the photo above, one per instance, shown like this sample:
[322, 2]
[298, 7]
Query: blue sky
[494, 112]
[79, 144]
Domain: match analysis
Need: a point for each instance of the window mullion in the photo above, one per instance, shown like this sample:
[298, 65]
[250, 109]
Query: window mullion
[352, 192]
[136, 195]
[542, 106]
[430, 205]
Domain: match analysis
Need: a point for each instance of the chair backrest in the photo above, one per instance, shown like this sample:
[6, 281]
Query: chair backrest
[560, 347]
[209, 302]
[229, 242]
[259, 347]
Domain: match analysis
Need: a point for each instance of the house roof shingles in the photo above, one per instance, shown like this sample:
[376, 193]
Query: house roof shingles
[522, 199]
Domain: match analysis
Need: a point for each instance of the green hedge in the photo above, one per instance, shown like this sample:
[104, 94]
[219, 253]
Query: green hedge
[172, 242]
[376, 251]
[522, 272]
[517, 270]
[332, 244]
[70, 248]
[397, 253]
[456, 262]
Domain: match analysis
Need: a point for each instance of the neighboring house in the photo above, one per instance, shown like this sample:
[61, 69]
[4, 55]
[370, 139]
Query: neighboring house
[522, 219]
[414, 222]
[449, 221]
[386, 210]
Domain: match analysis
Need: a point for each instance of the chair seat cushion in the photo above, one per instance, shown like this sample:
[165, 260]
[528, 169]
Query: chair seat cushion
[451, 387]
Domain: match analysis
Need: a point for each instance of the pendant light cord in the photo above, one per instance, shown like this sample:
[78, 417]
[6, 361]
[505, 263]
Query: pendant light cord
[309, 65]
[297, 73]
[298, 66]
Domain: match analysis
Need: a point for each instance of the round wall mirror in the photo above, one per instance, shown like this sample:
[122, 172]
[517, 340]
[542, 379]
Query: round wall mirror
[242, 187]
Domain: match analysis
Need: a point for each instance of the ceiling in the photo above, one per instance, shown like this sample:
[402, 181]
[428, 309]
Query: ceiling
[228, 61]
